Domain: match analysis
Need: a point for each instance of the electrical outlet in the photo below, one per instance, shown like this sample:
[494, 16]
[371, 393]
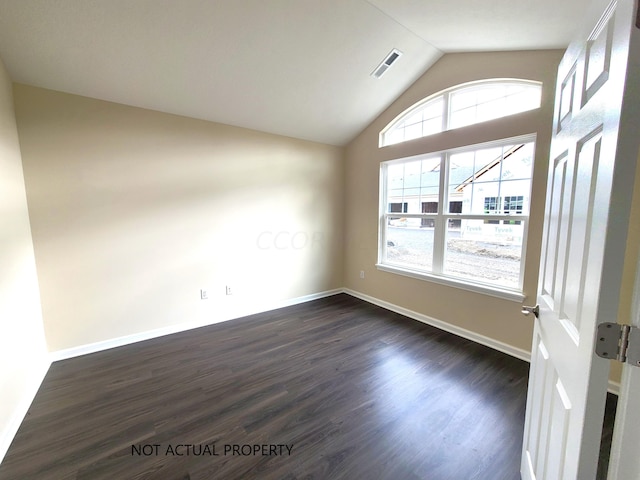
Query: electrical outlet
[361, 273]
[228, 290]
[204, 295]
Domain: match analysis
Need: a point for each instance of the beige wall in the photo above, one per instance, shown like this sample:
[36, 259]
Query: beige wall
[23, 352]
[134, 211]
[484, 315]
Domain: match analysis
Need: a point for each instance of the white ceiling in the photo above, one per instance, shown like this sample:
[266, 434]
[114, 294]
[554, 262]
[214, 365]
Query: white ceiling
[299, 68]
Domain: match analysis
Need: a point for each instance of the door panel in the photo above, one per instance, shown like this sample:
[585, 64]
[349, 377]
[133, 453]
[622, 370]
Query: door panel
[598, 56]
[537, 433]
[554, 210]
[561, 410]
[581, 217]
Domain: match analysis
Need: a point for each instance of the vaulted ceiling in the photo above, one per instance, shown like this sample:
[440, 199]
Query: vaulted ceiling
[299, 68]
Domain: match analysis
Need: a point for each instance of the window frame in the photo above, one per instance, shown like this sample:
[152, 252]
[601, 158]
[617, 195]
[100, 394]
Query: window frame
[441, 219]
[445, 95]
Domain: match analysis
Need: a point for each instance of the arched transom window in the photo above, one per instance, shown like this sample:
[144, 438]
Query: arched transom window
[463, 105]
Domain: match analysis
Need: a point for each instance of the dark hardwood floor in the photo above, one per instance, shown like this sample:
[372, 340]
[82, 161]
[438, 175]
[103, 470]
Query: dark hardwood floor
[334, 389]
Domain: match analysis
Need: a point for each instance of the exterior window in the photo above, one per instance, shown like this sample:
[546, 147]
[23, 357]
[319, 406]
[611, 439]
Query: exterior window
[491, 206]
[513, 205]
[459, 214]
[398, 207]
[461, 106]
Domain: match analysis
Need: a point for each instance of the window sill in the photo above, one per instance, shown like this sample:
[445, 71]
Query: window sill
[510, 295]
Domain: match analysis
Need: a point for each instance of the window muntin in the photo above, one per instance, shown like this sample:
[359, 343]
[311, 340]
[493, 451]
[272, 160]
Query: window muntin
[471, 231]
[462, 106]
[426, 119]
[481, 103]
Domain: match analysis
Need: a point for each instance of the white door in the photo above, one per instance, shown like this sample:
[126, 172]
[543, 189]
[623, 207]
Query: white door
[588, 201]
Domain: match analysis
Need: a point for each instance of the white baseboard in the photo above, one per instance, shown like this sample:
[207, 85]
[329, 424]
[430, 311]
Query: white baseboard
[161, 332]
[461, 332]
[8, 433]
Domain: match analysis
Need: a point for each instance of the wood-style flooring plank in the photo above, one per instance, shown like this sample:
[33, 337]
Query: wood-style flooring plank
[357, 392]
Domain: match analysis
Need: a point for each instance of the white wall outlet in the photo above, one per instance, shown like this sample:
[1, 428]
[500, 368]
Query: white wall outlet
[361, 273]
[228, 290]
[204, 294]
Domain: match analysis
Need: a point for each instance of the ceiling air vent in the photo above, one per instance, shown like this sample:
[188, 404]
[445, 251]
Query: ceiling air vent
[386, 63]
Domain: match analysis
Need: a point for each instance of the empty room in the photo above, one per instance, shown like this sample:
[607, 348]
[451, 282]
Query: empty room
[308, 239]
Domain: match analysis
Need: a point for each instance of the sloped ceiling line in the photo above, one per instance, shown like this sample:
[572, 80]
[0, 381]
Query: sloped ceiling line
[299, 68]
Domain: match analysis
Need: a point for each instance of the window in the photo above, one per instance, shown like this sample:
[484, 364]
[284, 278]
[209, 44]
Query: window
[398, 207]
[461, 106]
[459, 215]
[512, 204]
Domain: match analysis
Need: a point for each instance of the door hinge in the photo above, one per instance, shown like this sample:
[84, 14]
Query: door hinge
[619, 342]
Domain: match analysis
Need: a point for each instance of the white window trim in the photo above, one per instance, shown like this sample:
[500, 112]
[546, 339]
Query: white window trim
[446, 113]
[513, 294]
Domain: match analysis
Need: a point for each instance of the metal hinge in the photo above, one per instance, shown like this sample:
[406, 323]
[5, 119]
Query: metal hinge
[619, 342]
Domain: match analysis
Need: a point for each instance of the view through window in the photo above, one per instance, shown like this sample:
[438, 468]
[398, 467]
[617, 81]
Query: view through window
[459, 214]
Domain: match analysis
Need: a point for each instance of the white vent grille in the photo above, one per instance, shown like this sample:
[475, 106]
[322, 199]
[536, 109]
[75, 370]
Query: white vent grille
[386, 63]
